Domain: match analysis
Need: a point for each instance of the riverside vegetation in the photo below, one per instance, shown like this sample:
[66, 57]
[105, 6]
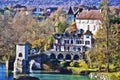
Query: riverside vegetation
[103, 57]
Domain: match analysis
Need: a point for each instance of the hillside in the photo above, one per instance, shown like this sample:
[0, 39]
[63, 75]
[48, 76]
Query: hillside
[45, 3]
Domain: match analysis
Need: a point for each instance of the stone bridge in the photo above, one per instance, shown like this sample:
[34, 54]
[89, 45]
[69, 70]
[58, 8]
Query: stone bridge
[25, 62]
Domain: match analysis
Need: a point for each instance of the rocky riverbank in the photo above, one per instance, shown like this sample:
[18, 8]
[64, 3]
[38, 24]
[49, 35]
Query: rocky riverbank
[99, 76]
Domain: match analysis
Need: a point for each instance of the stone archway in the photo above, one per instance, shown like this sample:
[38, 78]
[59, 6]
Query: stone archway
[31, 64]
[20, 55]
[52, 56]
[60, 57]
[34, 65]
[68, 57]
[76, 57]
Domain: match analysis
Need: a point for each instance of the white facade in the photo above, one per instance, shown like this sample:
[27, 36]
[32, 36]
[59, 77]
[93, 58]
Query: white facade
[93, 25]
[21, 58]
[73, 42]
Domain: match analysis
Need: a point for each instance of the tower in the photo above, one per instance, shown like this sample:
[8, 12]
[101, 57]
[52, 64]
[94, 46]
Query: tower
[21, 61]
[88, 39]
[70, 16]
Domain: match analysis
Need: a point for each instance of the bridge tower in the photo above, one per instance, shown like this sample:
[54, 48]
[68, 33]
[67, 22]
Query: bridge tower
[21, 64]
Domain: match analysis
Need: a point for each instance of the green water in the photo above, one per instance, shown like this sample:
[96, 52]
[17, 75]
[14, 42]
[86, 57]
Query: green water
[45, 76]
[42, 75]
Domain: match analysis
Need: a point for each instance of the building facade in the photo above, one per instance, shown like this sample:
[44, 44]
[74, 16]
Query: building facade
[89, 19]
[71, 46]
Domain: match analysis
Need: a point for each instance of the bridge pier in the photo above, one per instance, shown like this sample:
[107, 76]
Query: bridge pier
[21, 61]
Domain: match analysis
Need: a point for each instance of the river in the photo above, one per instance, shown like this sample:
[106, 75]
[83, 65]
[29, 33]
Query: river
[41, 75]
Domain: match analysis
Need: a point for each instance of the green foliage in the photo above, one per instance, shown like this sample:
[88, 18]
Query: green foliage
[63, 63]
[61, 27]
[72, 64]
[115, 20]
[49, 43]
[38, 43]
[82, 64]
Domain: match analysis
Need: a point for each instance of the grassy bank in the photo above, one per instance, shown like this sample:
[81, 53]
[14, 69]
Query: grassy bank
[78, 70]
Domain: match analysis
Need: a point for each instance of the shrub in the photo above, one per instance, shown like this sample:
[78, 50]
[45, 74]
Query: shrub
[63, 63]
[82, 64]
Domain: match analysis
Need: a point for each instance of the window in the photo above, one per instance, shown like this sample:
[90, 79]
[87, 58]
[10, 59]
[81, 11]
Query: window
[71, 41]
[87, 42]
[94, 27]
[80, 42]
[20, 55]
[79, 49]
[76, 41]
[87, 36]
[67, 41]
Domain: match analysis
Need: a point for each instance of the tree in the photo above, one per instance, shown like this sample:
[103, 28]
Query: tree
[115, 38]
[106, 26]
[38, 43]
[61, 27]
[49, 43]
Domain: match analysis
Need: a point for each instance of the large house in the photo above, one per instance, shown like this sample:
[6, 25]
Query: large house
[89, 19]
[71, 46]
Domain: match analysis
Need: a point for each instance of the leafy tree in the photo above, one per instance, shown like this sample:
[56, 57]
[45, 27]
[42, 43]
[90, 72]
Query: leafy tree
[38, 43]
[49, 43]
[61, 27]
[82, 64]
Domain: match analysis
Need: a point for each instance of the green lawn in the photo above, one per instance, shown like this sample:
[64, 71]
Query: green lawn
[78, 69]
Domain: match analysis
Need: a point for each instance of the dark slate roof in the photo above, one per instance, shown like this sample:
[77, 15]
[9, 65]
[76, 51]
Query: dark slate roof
[70, 11]
[88, 32]
[75, 9]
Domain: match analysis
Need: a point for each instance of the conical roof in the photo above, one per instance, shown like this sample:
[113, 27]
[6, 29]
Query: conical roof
[70, 11]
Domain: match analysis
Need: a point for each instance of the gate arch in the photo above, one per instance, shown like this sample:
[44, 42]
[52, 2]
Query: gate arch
[52, 56]
[76, 57]
[60, 57]
[68, 57]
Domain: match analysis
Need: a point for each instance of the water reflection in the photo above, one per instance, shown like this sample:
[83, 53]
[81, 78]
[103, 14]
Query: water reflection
[2, 72]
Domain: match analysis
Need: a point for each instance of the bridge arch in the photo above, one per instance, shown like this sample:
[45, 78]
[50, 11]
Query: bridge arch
[34, 65]
[52, 56]
[76, 57]
[60, 56]
[68, 57]
[31, 64]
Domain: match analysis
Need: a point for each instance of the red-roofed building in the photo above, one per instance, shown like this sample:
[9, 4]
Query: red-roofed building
[89, 19]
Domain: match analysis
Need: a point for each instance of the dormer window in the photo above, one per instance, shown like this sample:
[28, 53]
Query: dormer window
[87, 36]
